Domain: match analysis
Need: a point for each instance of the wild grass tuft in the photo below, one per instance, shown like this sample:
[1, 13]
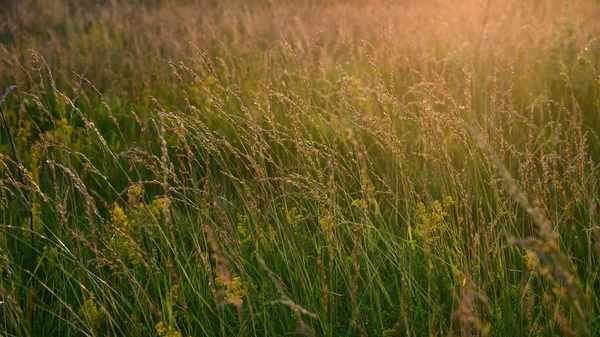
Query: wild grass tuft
[339, 168]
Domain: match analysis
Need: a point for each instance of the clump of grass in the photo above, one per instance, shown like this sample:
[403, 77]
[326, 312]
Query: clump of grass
[348, 168]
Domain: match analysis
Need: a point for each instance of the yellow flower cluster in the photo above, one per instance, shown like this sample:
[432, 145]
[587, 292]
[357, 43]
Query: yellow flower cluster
[165, 330]
[370, 202]
[159, 205]
[234, 288]
[128, 222]
[293, 215]
[359, 203]
[431, 222]
[325, 218]
[91, 313]
[128, 227]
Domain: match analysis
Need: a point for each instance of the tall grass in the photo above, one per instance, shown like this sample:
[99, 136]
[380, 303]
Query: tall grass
[331, 169]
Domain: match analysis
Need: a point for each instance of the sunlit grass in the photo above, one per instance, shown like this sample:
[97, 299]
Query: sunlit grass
[340, 169]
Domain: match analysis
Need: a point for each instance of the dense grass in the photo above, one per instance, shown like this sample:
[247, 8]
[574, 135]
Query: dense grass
[198, 168]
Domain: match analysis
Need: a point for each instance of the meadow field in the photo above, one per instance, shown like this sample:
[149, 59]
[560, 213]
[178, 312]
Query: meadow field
[178, 168]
